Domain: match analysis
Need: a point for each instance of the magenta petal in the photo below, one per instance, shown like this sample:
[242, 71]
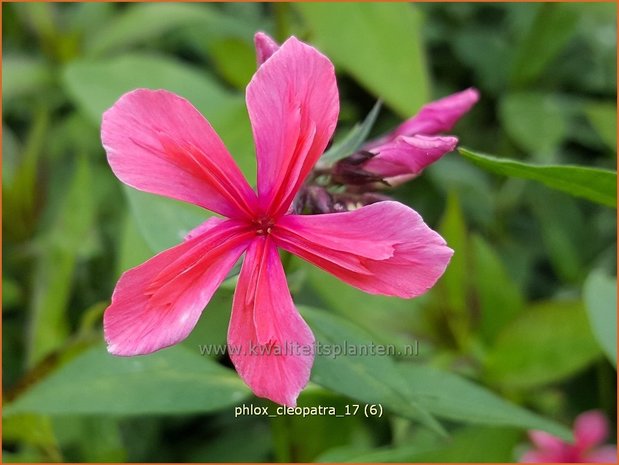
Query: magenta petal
[265, 47]
[293, 106]
[590, 429]
[158, 142]
[270, 344]
[440, 115]
[157, 304]
[383, 248]
[408, 155]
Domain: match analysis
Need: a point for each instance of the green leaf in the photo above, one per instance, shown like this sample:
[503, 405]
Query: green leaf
[368, 378]
[553, 26]
[379, 44]
[53, 275]
[23, 75]
[145, 22]
[547, 343]
[95, 85]
[499, 297]
[353, 140]
[600, 294]
[452, 397]
[595, 184]
[535, 121]
[603, 118]
[172, 381]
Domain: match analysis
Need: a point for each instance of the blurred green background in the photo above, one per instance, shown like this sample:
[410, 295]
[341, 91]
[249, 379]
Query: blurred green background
[519, 334]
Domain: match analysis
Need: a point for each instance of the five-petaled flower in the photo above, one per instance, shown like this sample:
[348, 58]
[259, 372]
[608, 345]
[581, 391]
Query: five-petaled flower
[158, 142]
[590, 432]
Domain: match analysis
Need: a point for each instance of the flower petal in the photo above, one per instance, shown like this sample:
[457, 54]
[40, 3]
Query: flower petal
[270, 344]
[265, 47]
[383, 248]
[440, 115]
[408, 155]
[158, 142]
[590, 429]
[157, 304]
[293, 106]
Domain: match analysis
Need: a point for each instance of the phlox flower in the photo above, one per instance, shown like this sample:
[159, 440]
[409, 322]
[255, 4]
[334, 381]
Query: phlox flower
[590, 432]
[159, 143]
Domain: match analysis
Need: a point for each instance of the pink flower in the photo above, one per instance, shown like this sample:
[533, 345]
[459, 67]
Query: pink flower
[590, 431]
[158, 142]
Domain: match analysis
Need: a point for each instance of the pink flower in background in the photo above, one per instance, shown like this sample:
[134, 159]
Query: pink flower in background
[403, 153]
[590, 432]
[158, 142]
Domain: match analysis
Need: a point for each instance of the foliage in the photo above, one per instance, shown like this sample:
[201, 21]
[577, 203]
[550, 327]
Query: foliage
[518, 334]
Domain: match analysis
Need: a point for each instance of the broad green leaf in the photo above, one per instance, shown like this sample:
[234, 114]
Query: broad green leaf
[603, 118]
[95, 85]
[23, 75]
[452, 397]
[499, 297]
[353, 140]
[172, 381]
[595, 184]
[547, 343]
[535, 121]
[53, 275]
[368, 378]
[379, 44]
[600, 294]
[554, 25]
[144, 22]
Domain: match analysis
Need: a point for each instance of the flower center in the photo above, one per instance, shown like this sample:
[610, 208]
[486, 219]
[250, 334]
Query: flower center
[263, 226]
